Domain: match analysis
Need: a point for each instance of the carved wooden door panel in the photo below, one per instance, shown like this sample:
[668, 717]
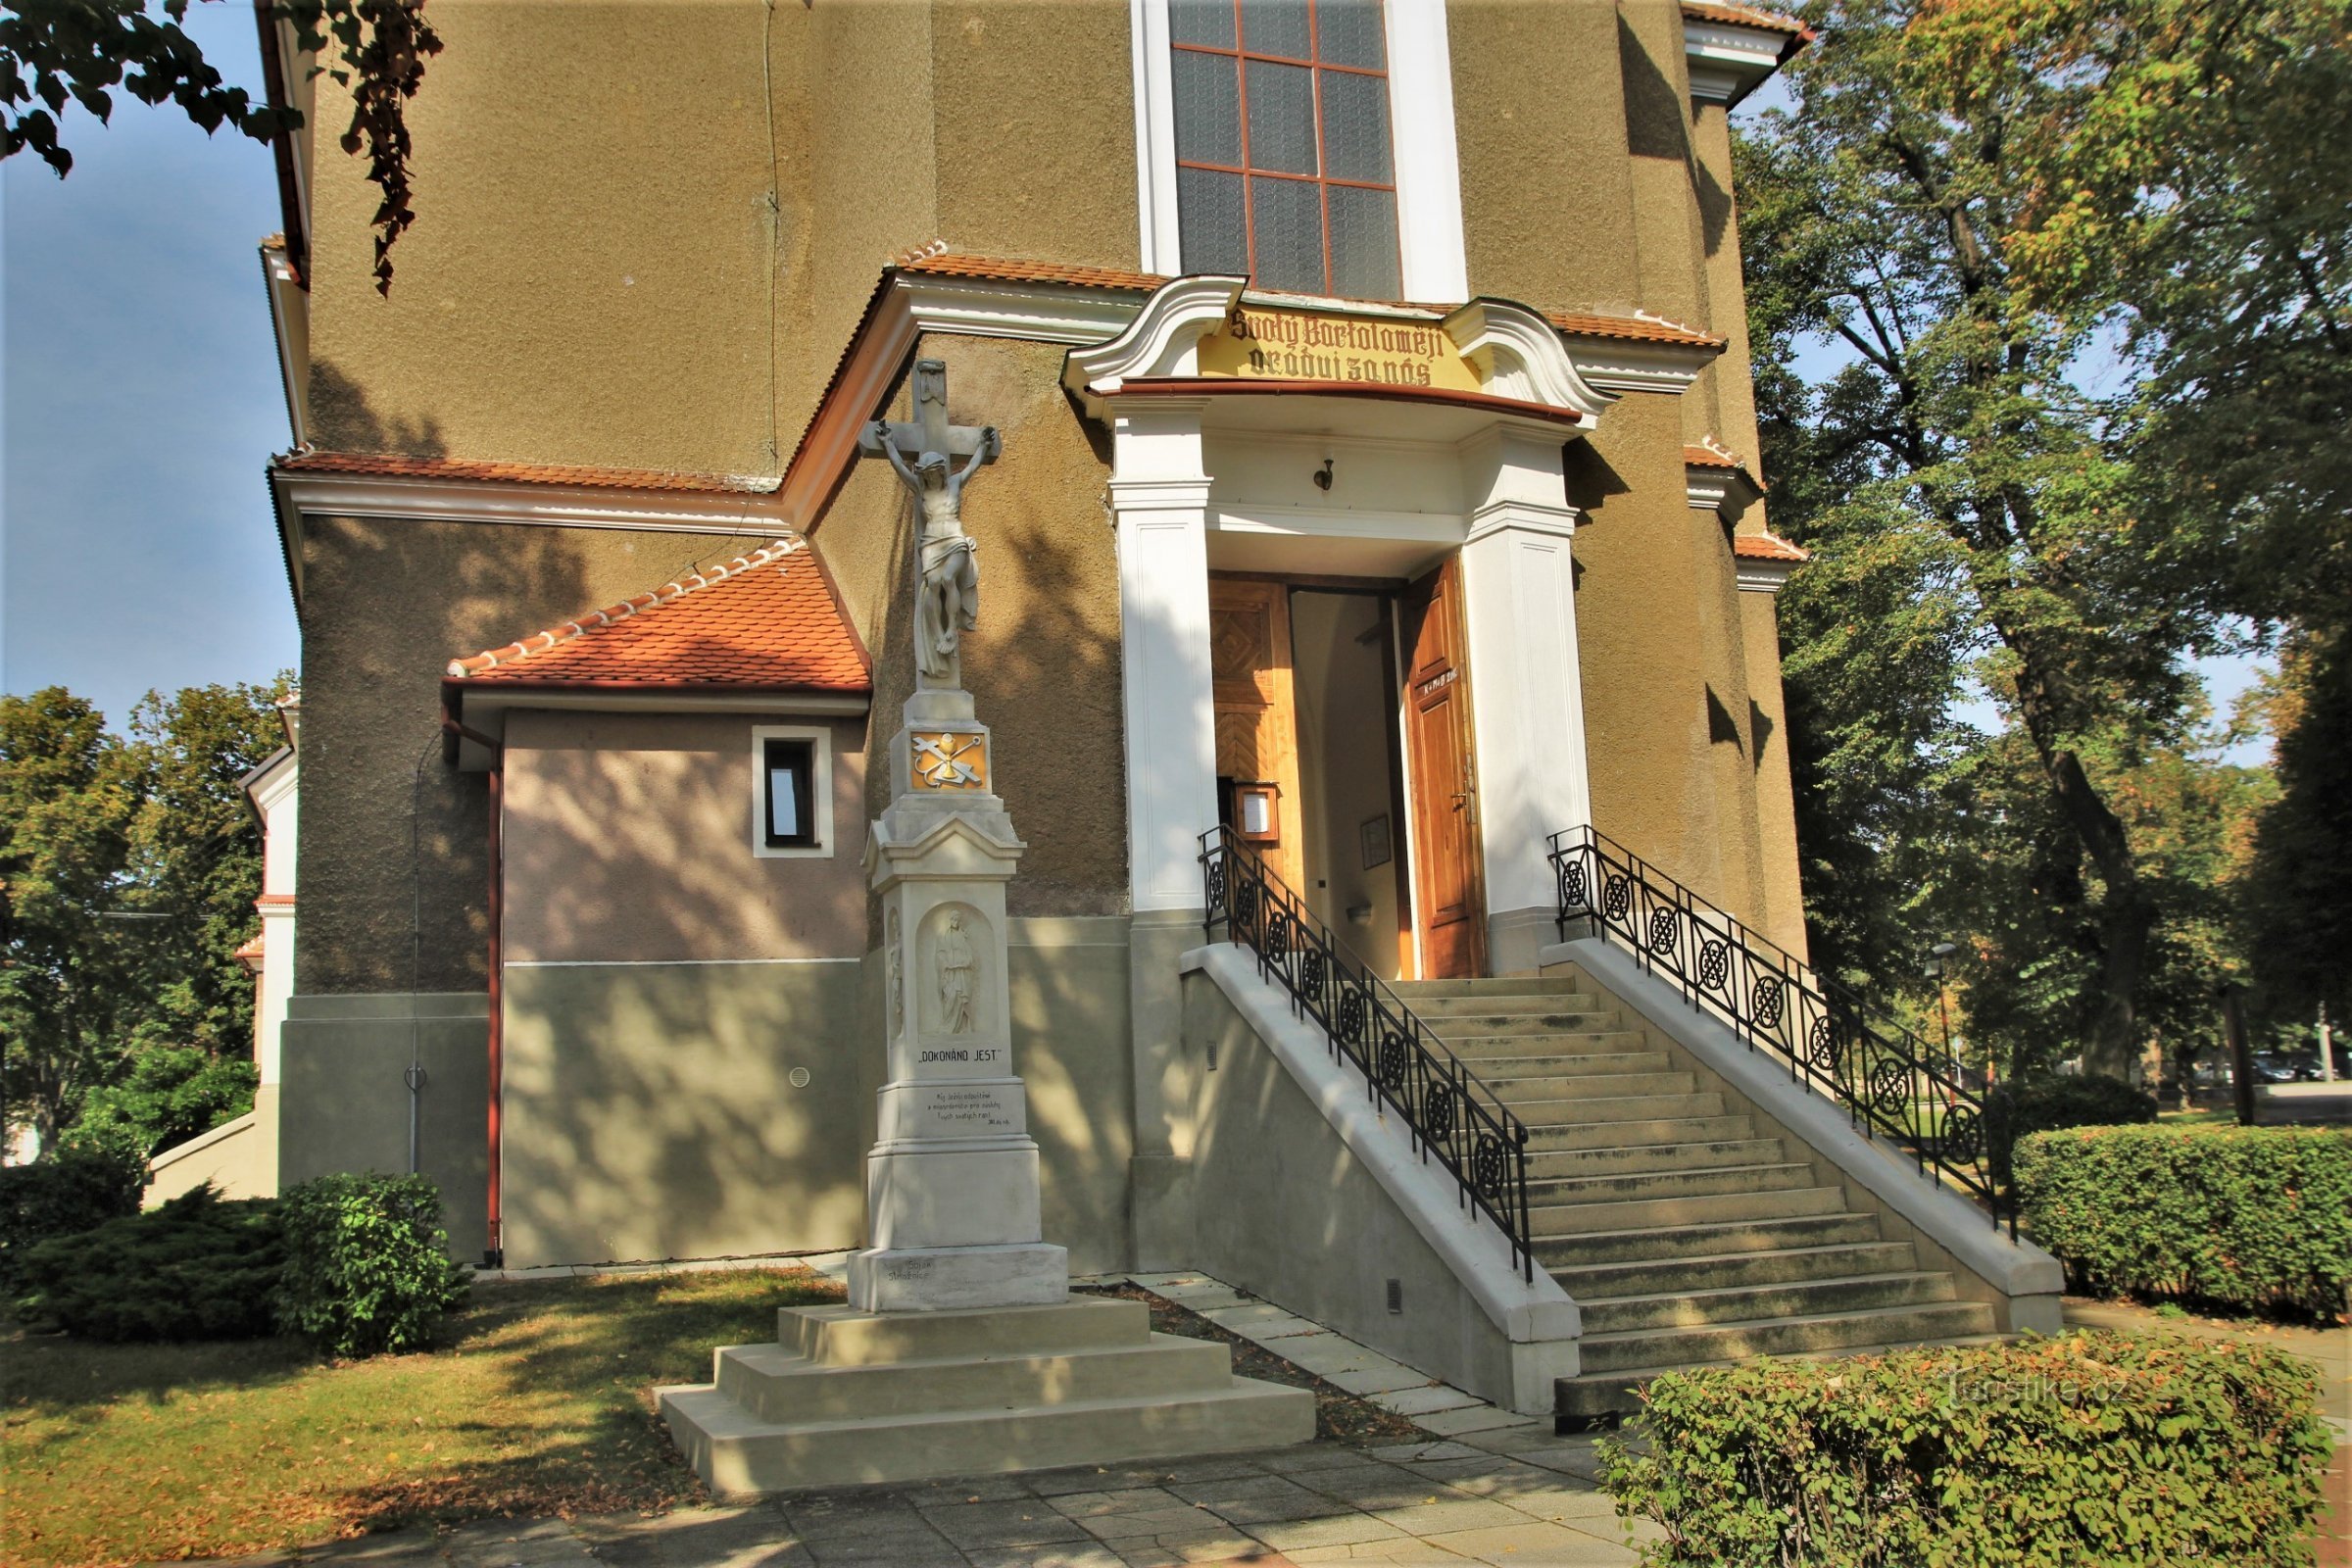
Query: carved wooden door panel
[1448, 884]
[1257, 736]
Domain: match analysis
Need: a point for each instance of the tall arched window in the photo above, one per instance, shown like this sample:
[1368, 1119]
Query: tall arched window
[1284, 165]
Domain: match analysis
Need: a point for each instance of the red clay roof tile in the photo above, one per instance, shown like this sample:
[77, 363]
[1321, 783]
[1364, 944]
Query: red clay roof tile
[767, 620]
[1734, 15]
[1709, 455]
[1767, 546]
[387, 465]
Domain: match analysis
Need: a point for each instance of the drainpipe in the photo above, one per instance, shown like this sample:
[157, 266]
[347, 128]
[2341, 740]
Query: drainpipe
[494, 1252]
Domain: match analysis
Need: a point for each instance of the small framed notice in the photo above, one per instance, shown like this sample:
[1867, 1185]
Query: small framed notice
[1375, 837]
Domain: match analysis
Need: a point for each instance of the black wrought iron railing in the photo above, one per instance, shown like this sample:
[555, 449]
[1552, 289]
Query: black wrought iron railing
[1893, 1085]
[1451, 1116]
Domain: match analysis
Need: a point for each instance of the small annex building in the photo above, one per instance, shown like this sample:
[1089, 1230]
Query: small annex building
[1376, 500]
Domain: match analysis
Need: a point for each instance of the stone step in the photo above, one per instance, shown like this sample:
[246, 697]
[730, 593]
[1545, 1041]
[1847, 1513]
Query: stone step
[1577, 1163]
[1527, 1023]
[1589, 1109]
[842, 1336]
[1551, 1192]
[776, 1384]
[1593, 1043]
[736, 1452]
[1516, 1087]
[1682, 1243]
[1579, 1402]
[1848, 1332]
[1597, 1281]
[1513, 986]
[1484, 1006]
[1749, 1303]
[1653, 1214]
[1651, 1133]
[1597, 1064]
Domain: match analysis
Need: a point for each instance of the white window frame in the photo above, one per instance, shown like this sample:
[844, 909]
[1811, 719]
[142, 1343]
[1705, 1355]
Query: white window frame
[820, 785]
[1429, 180]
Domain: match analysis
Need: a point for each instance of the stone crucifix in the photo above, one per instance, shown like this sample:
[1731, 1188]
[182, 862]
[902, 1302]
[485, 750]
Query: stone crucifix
[936, 460]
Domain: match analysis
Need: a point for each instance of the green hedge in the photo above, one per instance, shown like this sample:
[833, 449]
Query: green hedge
[2023, 1107]
[367, 1264]
[2082, 1451]
[197, 1268]
[77, 1191]
[2236, 1216]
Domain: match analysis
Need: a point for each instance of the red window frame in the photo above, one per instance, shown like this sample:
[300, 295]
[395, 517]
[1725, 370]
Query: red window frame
[1315, 65]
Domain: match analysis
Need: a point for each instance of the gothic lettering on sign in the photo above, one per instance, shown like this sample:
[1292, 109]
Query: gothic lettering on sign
[1268, 342]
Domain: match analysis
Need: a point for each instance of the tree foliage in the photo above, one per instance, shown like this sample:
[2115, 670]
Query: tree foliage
[59, 52]
[128, 869]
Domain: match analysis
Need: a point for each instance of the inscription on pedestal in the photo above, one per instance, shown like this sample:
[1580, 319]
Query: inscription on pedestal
[974, 1110]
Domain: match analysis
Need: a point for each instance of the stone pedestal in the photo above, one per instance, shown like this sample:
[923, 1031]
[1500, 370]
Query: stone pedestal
[951, 1184]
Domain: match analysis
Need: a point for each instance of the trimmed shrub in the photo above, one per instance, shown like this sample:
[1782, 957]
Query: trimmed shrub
[198, 1268]
[2046, 1101]
[2236, 1216]
[367, 1266]
[2080, 1452]
[80, 1190]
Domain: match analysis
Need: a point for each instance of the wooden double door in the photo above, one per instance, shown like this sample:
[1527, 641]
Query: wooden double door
[1441, 887]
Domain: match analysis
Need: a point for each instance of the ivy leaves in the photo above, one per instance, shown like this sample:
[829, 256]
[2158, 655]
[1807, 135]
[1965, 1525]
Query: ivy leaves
[56, 53]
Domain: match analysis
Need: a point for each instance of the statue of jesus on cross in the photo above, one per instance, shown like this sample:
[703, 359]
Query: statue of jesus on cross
[947, 589]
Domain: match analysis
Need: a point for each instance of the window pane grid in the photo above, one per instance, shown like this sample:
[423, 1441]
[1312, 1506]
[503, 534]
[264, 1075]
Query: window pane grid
[1354, 37]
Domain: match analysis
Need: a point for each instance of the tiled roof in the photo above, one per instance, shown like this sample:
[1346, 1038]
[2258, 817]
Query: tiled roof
[767, 620]
[1745, 16]
[250, 949]
[1710, 455]
[1767, 546]
[1636, 327]
[387, 465]
[946, 263]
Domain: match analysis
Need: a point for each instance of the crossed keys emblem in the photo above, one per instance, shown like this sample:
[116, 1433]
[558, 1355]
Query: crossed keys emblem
[949, 760]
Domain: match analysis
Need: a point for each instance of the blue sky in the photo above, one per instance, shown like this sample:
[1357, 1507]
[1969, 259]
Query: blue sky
[139, 399]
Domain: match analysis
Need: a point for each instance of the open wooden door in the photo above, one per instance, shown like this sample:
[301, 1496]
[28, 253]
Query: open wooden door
[1258, 734]
[1449, 902]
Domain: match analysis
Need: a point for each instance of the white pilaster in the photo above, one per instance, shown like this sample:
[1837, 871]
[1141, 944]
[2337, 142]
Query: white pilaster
[1519, 602]
[1158, 500]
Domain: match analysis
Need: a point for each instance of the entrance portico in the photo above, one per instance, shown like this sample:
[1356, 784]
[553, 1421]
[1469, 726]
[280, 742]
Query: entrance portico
[1419, 443]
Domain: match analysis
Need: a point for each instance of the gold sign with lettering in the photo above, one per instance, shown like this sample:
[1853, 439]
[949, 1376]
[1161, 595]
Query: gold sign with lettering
[948, 759]
[1262, 342]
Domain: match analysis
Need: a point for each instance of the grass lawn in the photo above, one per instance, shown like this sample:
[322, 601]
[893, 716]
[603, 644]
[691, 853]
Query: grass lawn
[117, 1453]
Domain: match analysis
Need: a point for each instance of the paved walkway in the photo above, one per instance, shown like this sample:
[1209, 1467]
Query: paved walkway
[1510, 1495]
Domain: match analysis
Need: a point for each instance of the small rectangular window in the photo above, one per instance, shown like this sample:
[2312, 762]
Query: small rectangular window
[791, 814]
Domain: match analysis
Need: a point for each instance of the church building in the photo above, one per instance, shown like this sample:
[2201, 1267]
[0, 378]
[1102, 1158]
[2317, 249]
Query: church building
[1320, 433]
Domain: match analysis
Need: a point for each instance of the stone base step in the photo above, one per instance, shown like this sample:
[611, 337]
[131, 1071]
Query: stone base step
[1584, 1110]
[1597, 1281]
[1533, 1067]
[1749, 1303]
[1683, 1243]
[1703, 1182]
[1413, 990]
[1518, 1085]
[775, 1384]
[1504, 1026]
[1577, 1163]
[1601, 1398]
[1484, 1004]
[1570, 1043]
[1654, 1213]
[1820, 1331]
[735, 1452]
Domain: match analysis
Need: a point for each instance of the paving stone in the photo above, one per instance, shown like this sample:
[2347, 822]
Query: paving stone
[1448, 1515]
[1389, 1488]
[1027, 1522]
[1575, 1459]
[1251, 1492]
[1181, 1551]
[512, 1543]
[1182, 1520]
[1425, 1398]
[1465, 1419]
[695, 1537]
[1334, 1530]
[1405, 1554]
[1312, 1457]
[1520, 1434]
[1088, 1555]
[1325, 1354]
[973, 1489]
[390, 1549]
[1553, 1546]
[1237, 1467]
[1382, 1377]
[1407, 1453]
[1131, 1500]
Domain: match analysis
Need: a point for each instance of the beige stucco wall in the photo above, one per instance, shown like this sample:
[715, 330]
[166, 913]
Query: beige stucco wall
[1783, 891]
[394, 842]
[628, 838]
[651, 1112]
[1067, 985]
[1043, 664]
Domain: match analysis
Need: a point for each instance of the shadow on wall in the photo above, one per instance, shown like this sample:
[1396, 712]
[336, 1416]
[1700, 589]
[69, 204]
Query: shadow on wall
[1655, 123]
[340, 412]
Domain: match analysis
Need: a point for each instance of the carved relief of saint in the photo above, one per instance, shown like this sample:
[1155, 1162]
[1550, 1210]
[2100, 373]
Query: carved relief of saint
[956, 971]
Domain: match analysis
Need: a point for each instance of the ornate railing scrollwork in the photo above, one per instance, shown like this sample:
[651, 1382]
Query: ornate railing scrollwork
[1891, 1083]
[1451, 1116]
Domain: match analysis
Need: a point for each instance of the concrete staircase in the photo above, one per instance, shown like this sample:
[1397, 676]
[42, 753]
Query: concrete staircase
[1686, 1231]
[842, 1396]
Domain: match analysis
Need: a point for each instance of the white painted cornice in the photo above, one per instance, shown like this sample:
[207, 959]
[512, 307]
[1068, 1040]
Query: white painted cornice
[1728, 62]
[1520, 355]
[1764, 576]
[1619, 367]
[1161, 338]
